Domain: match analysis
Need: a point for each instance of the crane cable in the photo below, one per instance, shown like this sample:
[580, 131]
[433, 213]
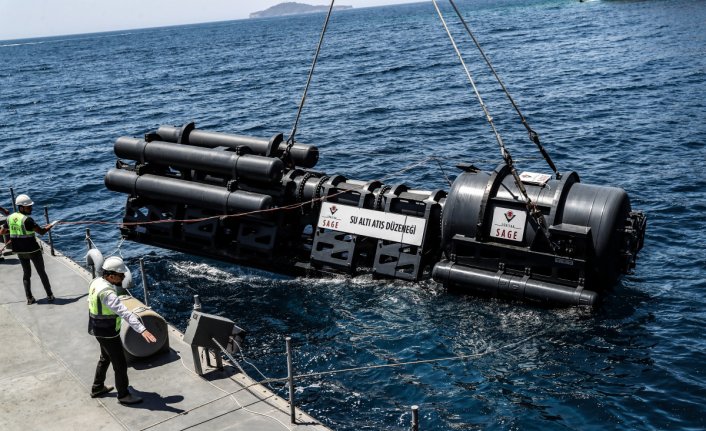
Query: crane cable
[534, 137]
[286, 157]
[532, 208]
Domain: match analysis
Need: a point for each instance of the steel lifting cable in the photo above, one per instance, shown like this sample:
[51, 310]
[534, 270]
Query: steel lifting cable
[290, 140]
[534, 137]
[535, 212]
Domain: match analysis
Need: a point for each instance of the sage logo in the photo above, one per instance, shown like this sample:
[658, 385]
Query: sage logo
[509, 215]
[333, 209]
[508, 224]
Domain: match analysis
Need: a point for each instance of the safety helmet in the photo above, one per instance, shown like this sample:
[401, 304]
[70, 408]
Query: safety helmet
[23, 201]
[115, 264]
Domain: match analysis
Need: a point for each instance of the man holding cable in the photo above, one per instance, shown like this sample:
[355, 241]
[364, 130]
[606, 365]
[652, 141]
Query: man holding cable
[22, 229]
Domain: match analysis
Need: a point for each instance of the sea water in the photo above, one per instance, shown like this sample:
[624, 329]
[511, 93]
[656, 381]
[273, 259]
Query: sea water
[616, 90]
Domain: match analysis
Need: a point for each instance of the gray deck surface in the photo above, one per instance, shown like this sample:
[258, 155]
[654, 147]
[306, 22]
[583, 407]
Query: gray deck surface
[47, 361]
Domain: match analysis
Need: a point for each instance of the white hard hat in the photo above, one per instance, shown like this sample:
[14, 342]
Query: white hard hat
[115, 264]
[23, 201]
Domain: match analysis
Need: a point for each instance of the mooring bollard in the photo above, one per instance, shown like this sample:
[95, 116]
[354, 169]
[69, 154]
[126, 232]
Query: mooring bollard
[290, 379]
[415, 418]
[197, 303]
[51, 240]
[144, 280]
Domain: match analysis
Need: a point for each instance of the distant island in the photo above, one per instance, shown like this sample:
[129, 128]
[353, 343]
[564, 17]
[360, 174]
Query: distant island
[293, 8]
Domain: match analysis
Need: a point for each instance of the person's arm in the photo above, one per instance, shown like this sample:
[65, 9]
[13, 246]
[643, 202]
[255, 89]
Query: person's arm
[112, 301]
[4, 211]
[30, 224]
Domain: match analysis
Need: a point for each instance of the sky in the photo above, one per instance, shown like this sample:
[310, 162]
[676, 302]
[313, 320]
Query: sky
[21, 19]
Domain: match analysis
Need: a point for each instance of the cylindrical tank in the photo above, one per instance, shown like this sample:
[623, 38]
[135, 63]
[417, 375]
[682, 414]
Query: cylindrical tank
[512, 286]
[247, 166]
[134, 344]
[602, 209]
[302, 154]
[175, 190]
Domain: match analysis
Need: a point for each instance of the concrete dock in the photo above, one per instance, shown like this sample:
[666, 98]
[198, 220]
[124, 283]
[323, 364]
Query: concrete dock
[47, 362]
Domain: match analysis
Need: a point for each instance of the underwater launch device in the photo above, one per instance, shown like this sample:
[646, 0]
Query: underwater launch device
[260, 203]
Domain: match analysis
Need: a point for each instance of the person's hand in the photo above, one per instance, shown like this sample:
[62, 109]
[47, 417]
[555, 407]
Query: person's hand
[147, 335]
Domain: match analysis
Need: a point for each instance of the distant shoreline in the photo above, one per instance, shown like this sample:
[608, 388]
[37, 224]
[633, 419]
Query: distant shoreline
[293, 8]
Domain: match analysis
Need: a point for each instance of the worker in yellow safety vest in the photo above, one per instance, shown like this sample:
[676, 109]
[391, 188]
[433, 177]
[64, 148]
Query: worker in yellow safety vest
[3, 232]
[105, 315]
[22, 230]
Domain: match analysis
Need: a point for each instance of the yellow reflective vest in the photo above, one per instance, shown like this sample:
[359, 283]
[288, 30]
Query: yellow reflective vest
[102, 321]
[23, 241]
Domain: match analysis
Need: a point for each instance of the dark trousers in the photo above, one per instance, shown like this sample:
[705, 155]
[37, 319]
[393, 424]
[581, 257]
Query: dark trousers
[112, 352]
[38, 261]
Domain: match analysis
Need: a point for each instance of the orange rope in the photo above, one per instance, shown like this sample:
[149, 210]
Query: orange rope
[198, 220]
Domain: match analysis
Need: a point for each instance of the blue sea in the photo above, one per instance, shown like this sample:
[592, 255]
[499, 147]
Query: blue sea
[616, 90]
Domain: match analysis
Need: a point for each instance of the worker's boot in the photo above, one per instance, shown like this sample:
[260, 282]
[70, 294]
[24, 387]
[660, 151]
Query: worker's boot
[129, 399]
[97, 392]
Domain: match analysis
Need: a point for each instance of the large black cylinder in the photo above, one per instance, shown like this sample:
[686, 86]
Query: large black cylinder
[602, 209]
[302, 155]
[605, 210]
[185, 192]
[251, 167]
[512, 286]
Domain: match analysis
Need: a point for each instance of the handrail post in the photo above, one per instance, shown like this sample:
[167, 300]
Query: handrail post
[51, 240]
[415, 418]
[144, 280]
[12, 193]
[290, 379]
[88, 246]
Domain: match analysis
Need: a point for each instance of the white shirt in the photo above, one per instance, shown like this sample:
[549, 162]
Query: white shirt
[112, 301]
